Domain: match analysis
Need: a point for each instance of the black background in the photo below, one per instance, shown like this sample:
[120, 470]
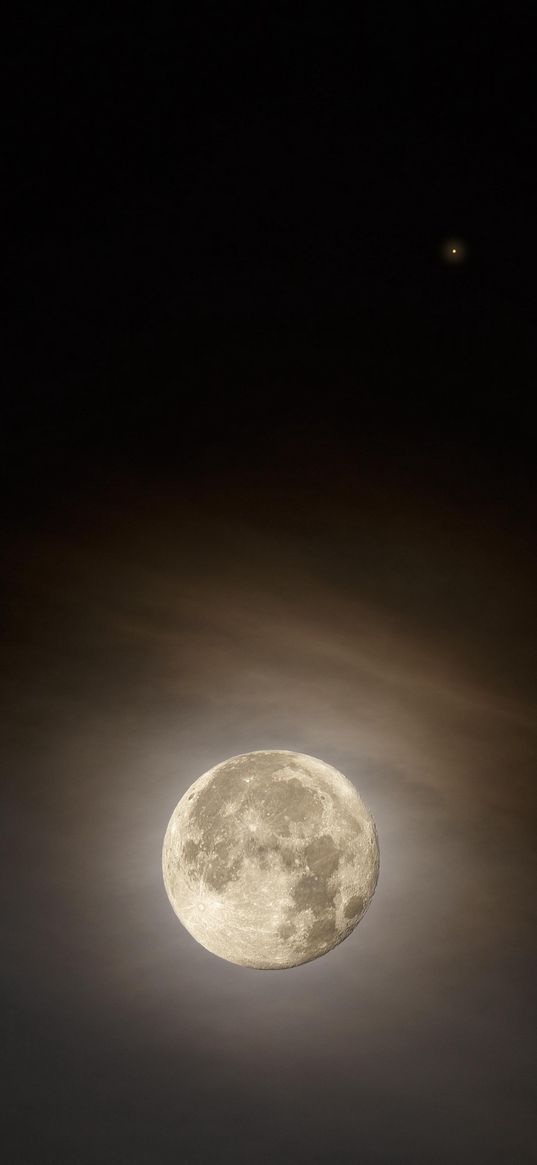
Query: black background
[258, 431]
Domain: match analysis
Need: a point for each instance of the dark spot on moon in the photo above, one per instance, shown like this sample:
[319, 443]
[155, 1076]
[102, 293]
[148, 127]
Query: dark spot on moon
[312, 893]
[286, 930]
[191, 850]
[322, 856]
[322, 931]
[288, 857]
[354, 907]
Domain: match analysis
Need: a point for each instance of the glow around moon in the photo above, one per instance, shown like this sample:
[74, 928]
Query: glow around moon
[270, 859]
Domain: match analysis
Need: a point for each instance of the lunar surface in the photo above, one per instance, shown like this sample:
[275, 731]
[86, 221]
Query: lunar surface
[270, 859]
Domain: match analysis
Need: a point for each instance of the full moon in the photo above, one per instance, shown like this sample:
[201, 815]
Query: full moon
[270, 859]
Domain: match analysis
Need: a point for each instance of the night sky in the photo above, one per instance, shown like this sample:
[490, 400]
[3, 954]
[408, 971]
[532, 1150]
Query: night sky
[268, 481]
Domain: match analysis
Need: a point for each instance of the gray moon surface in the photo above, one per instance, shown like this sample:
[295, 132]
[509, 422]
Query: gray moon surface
[270, 859]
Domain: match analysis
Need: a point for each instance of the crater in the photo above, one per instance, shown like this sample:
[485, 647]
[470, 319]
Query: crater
[354, 907]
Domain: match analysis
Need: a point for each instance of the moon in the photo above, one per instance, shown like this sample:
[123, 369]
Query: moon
[270, 859]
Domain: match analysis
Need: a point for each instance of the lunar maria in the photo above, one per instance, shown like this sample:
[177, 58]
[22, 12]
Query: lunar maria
[271, 859]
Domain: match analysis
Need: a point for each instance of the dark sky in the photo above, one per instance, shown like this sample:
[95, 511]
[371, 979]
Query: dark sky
[268, 475]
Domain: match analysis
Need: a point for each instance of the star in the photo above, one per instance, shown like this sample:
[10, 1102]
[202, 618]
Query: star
[453, 251]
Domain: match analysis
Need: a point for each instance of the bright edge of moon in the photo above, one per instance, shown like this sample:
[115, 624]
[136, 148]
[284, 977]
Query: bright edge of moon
[270, 859]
